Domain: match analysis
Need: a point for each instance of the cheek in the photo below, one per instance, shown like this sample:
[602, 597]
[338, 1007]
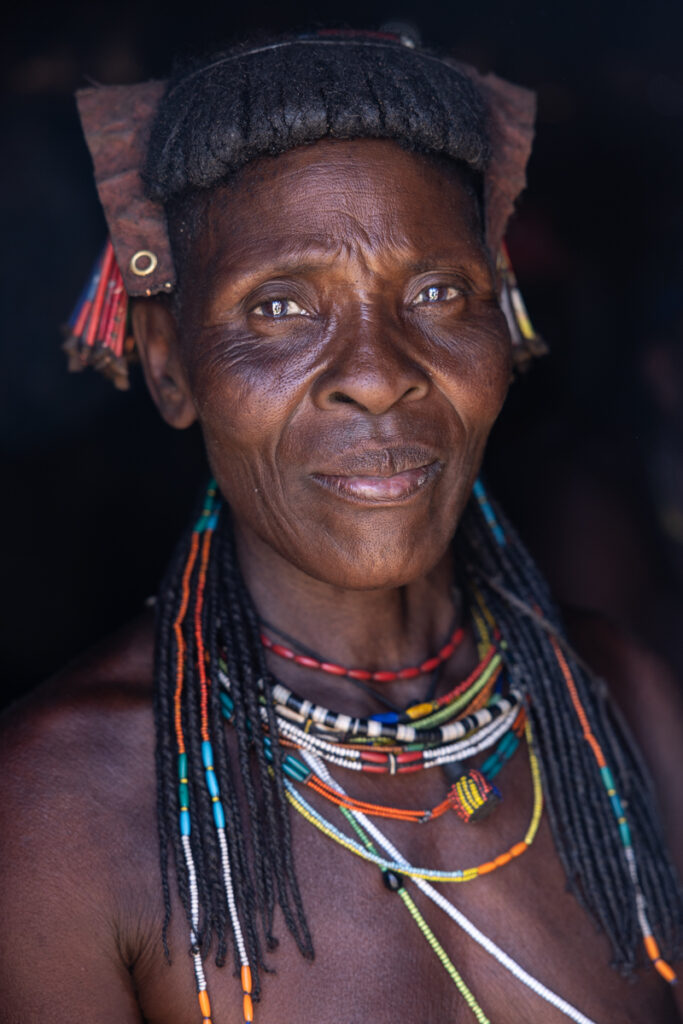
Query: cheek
[244, 391]
[247, 408]
[474, 370]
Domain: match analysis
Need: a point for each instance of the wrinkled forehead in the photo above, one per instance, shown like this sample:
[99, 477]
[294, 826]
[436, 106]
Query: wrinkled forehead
[330, 197]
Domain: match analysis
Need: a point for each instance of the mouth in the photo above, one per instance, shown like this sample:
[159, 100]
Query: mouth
[381, 489]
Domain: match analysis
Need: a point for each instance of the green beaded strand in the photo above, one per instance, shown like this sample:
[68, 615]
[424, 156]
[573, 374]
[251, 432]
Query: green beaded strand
[419, 920]
[443, 956]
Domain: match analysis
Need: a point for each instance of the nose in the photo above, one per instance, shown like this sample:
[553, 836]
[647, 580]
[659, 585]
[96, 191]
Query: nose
[370, 367]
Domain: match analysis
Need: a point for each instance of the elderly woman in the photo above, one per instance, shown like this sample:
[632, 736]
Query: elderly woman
[353, 656]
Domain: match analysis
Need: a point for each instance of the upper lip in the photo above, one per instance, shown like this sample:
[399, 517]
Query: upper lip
[383, 461]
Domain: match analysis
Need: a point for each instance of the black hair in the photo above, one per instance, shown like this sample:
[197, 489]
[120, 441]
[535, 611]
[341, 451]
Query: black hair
[246, 103]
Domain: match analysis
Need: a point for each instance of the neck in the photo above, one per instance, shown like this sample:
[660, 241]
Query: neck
[376, 630]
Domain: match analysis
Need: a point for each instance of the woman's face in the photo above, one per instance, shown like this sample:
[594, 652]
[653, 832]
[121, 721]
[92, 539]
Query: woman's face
[346, 356]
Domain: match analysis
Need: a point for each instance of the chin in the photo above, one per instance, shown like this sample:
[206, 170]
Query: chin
[372, 564]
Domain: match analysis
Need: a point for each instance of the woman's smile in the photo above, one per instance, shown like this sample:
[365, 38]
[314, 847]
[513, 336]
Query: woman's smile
[370, 489]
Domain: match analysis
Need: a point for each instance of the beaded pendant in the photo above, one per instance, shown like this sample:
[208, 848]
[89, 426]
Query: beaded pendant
[471, 796]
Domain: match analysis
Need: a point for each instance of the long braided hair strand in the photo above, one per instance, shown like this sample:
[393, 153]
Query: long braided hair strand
[587, 838]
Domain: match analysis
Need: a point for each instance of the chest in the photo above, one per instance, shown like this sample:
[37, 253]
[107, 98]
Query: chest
[384, 958]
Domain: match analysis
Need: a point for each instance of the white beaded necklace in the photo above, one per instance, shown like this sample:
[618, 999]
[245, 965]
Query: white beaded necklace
[319, 767]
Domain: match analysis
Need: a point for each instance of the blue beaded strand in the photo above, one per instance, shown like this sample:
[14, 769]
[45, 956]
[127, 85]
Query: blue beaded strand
[488, 513]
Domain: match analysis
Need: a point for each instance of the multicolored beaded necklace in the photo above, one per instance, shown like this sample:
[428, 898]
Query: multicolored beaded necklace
[360, 744]
[439, 732]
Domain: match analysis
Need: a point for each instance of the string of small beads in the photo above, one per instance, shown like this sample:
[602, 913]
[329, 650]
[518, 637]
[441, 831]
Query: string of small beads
[394, 883]
[649, 941]
[462, 875]
[201, 545]
[463, 922]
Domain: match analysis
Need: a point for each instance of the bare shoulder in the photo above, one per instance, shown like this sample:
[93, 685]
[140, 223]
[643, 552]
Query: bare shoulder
[78, 766]
[650, 697]
[96, 710]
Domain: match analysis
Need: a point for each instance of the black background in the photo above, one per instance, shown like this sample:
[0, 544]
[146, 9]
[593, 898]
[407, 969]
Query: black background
[96, 488]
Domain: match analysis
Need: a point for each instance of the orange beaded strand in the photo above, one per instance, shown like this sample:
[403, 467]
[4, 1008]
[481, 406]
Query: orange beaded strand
[649, 941]
[199, 637]
[180, 641]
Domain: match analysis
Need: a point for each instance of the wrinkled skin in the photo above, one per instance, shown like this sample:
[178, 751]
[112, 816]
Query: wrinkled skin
[368, 378]
[340, 342]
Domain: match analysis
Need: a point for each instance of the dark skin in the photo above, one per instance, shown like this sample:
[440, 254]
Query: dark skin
[340, 342]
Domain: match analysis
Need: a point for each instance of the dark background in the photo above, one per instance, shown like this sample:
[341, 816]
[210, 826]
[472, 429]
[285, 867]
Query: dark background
[587, 456]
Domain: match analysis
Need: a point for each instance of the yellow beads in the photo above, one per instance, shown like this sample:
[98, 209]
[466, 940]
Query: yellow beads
[418, 710]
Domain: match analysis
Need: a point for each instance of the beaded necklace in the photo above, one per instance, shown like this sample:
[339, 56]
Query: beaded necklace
[305, 726]
[402, 726]
[309, 661]
[365, 828]
[466, 795]
[433, 743]
[492, 722]
[460, 875]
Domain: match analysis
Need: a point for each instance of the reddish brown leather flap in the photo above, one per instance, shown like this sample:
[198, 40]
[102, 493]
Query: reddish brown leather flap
[116, 121]
[512, 111]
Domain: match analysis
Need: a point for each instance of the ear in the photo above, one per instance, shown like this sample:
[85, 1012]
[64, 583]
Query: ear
[156, 339]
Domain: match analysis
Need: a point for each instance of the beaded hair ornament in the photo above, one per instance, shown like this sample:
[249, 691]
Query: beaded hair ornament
[137, 259]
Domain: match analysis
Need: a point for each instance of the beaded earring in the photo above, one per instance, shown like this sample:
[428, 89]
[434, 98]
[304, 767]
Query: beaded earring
[96, 333]
[526, 343]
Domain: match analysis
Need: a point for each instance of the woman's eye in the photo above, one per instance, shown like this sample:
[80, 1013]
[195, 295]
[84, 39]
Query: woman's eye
[436, 293]
[277, 309]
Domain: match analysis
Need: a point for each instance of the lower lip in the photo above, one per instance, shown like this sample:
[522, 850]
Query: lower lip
[381, 489]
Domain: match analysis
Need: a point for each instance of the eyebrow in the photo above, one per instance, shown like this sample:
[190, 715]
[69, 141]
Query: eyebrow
[313, 254]
[305, 255]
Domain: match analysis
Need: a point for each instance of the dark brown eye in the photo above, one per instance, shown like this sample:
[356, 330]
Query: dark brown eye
[278, 309]
[436, 293]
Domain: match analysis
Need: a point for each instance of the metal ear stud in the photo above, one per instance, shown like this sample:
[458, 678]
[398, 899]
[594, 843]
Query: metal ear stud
[143, 263]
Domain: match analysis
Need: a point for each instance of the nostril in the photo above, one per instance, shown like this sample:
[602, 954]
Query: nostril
[339, 396]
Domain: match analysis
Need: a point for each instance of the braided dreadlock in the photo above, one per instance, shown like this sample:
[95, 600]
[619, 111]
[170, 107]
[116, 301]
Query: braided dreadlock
[263, 870]
[213, 120]
[583, 825]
